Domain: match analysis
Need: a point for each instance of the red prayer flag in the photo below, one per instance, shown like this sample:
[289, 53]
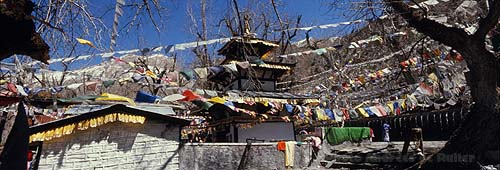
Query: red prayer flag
[190, 96]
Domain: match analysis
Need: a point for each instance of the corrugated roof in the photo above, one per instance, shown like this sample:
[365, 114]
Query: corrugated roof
[163, 110]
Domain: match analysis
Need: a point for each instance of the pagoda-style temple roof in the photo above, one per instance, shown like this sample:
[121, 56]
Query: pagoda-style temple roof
[251, 50]
[269, 71]
[238, 48]
[268, 65]
[273, 96]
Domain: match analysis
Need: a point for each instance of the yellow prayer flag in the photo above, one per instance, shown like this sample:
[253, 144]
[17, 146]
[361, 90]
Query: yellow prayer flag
[265, 55]
[437, 52]
[362, 112]
[85, 42]
[391, 106]
[433, 77]
[217, 100]
[151, 74]
[131, 64]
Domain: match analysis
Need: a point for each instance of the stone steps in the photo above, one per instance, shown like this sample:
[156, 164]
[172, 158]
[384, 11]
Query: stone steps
[348, 165]
[373, 155]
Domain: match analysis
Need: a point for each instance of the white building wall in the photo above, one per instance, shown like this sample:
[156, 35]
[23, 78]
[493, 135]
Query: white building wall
[114, 146]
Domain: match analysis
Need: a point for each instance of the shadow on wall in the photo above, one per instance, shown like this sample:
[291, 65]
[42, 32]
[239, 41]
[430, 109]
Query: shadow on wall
[176, 152]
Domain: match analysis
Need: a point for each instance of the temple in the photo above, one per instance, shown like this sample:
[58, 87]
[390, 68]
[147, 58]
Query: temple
[253, 88]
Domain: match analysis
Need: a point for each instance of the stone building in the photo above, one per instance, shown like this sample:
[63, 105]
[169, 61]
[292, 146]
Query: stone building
[116, 137]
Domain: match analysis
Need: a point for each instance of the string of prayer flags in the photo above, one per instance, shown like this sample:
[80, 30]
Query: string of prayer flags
[173, 76]
[230, 105]
[151, 74]
[285, 118]
[361, 111]
[114, 97]
[21, 90]
[433, 77]
[124, 80]
[56, 89]
[257, 61]
[12, 88]
[190, 96]
[201, 72]
[74, 86]
[248, 112]
[244, 65]
[232, 67]
[91, 86]
[137, 78]
[362, 79]
[202, 104]
[410, 62]
[188, 74]
[200, 92]
[319, 51]
[321, 113]
[145, 97]
[218, 100]
[266, 55]
[329, 113]
[359, 43]
[426, 56]
[166, 79]
[131, 64]
[397, 34]
[108, 83]
[118, 60]
[173, 97]
[215, 70]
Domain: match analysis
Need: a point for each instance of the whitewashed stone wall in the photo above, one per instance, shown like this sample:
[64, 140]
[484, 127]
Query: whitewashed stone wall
[114, 146]
[227, 156]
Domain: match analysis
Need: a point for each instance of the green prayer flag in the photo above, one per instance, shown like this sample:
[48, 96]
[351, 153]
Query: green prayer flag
[108, 83]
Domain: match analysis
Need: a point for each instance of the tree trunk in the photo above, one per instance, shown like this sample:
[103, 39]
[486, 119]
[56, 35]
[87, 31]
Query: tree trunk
[18, 31]
[477, 140]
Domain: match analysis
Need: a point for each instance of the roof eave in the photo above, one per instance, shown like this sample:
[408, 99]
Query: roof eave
[118, 108]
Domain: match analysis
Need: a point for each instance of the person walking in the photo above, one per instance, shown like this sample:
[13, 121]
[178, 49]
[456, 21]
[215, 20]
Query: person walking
[386, 127]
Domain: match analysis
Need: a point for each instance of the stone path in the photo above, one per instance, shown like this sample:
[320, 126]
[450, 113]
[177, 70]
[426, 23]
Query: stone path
[371, 155]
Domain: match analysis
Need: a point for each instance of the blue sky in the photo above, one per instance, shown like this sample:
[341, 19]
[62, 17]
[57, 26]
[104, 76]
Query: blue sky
[175, 23]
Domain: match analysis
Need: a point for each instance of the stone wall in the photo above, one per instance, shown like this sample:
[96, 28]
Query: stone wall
[117, 145]
[221, 156]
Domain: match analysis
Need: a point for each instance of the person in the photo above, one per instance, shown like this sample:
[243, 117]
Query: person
[316, 141]
[386, 127]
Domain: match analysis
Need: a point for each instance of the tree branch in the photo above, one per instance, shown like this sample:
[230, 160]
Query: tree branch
[453, 37]
[487, 23]
[48, 24]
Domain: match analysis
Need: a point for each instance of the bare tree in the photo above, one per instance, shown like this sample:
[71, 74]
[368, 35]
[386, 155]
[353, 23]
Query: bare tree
[201, 52]
[478, 134]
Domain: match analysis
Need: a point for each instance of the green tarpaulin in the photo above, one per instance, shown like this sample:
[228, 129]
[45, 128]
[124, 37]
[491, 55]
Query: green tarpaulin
[336, 135]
